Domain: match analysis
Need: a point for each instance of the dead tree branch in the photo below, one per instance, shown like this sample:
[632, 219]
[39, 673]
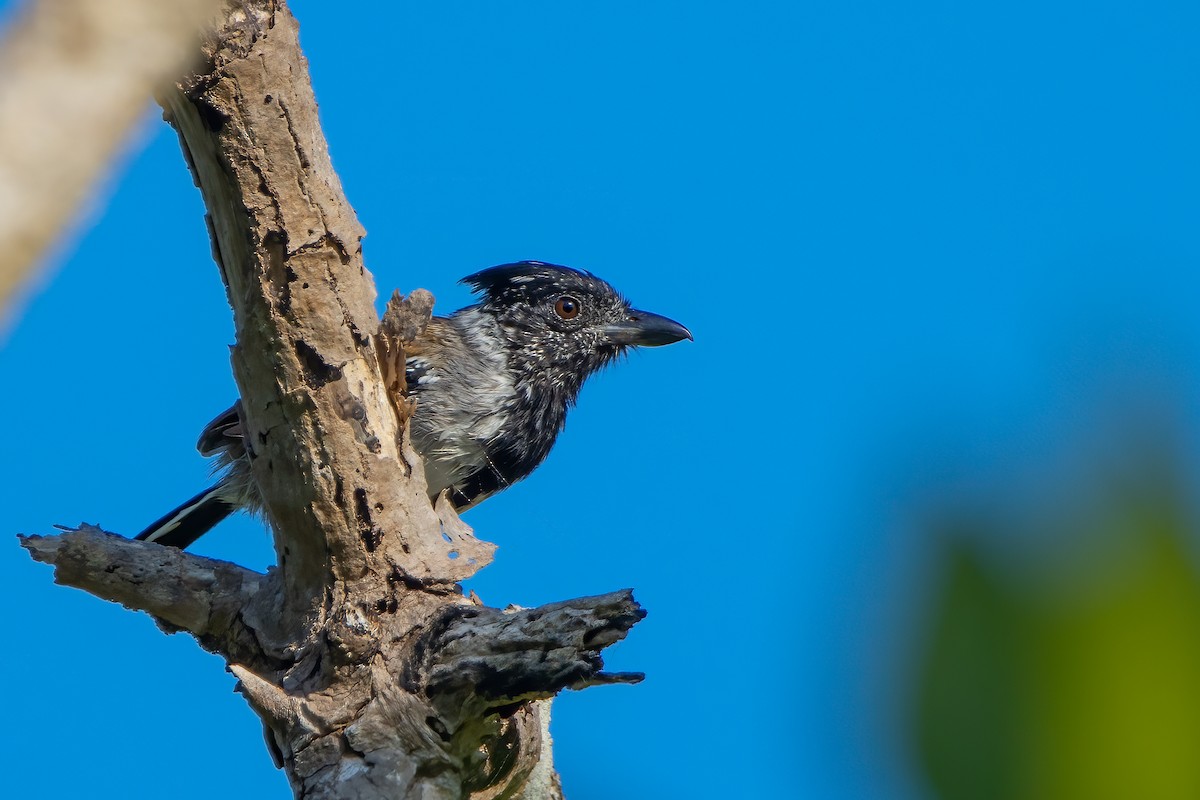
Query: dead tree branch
[184, 591]
[373, 675]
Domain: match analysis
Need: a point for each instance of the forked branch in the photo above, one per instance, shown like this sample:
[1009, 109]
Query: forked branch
[373, 675]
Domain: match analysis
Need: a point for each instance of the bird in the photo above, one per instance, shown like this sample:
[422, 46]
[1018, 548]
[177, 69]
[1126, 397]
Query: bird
[493, 383]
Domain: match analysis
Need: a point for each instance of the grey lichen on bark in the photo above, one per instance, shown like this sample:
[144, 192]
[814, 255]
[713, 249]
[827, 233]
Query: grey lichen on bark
[374, 676]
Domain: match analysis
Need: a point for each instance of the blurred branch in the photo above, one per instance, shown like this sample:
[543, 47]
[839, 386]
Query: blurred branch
[74, 77]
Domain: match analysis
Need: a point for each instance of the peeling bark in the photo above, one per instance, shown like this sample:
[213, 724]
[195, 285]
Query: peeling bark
[373, 675]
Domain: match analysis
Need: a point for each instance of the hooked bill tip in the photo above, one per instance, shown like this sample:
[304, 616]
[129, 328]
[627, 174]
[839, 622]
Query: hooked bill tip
[644, 329]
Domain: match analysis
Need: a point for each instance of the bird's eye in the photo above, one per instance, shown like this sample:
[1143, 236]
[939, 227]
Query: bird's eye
[567, 307]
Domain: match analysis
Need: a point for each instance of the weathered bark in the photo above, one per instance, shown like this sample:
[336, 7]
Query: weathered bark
[373, 675]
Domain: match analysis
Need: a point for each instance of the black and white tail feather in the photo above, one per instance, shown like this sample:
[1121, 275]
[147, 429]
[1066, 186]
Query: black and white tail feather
[493, 383]
[221, 439]
[185, 524]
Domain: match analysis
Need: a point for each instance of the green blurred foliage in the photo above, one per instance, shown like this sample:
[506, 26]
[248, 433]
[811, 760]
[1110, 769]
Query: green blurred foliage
[1068, 674]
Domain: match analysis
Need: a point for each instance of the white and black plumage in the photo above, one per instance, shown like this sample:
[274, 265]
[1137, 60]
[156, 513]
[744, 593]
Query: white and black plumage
[493, 383]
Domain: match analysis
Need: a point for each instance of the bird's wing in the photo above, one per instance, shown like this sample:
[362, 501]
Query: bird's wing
[222, 433]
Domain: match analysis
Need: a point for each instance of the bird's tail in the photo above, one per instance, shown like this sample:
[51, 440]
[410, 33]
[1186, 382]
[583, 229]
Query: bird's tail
[191, 520]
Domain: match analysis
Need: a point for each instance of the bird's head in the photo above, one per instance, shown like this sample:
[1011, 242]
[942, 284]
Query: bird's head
[564, 321]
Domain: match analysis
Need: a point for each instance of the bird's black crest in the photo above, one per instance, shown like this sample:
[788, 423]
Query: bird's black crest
[521, 273]
[529, 280]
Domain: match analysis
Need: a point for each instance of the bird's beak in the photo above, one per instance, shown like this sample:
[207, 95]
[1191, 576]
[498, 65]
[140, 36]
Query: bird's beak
[646, 330]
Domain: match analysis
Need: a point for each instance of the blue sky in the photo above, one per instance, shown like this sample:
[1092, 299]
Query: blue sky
[919, 246]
